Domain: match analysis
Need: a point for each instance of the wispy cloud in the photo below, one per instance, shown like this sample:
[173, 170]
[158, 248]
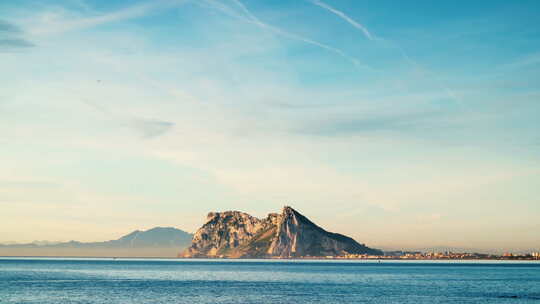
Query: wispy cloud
[523, 62]
[219, 91]
[149, 128]
[6, 27]
[370, 36]
[343, 16]
[146, 128]
[11, 37]
[60, 22]
[245, 10]
[405, 122]
[14, 43]
[251, 18]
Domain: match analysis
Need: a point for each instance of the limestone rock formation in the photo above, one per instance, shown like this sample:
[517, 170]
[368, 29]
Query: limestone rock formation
[235, 234]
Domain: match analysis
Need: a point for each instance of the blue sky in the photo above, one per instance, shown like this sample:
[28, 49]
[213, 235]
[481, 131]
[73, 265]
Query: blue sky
[401, 124]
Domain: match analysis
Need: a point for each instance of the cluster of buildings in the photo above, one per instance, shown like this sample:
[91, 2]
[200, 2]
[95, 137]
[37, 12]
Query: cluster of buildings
[513, 256]
[448, 255]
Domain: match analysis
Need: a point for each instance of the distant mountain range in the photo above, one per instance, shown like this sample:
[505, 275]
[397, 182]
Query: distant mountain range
[234, 234]
[158, 241]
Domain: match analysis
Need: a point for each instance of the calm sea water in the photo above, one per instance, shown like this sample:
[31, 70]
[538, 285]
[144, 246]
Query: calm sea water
[44, 281]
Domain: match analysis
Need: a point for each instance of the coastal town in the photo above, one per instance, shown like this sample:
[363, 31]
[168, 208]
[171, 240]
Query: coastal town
[447, 255]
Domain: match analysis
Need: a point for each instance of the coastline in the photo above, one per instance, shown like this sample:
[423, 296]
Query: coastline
[370, 260]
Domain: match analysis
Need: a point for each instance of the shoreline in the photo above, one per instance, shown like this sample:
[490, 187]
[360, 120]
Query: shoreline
[374, 260]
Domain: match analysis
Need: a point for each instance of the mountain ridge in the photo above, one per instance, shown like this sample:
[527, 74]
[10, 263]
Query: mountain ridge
[153, 237]
[235, 234]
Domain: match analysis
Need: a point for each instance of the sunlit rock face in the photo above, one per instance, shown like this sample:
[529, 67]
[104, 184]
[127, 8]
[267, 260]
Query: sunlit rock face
[235, 234]
[222, 232]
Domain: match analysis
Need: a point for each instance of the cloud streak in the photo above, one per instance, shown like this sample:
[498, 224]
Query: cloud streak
[15, 43]
[343, 16]
[370, 36]
[415, 122]
[57, 24]
[146, 128]
[6, 27]
[523, 62]
[251, 18]
[11, 38]
[150, 128]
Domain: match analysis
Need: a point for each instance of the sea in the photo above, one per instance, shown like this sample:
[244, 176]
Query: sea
[169, 281]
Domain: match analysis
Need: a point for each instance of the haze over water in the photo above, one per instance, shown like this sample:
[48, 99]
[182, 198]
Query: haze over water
[100, 281]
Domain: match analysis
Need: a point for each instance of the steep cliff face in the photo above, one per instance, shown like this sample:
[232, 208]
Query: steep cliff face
[236, 234]
[223, 232]
[297, 236]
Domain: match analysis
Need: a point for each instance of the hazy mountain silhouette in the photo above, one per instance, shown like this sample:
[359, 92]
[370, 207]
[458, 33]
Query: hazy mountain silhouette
[158, 241]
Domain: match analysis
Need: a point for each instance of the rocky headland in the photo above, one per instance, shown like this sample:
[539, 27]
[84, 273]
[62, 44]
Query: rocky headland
[235, 234]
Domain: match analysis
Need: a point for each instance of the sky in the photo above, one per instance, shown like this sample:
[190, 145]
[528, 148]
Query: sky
[402, 124]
